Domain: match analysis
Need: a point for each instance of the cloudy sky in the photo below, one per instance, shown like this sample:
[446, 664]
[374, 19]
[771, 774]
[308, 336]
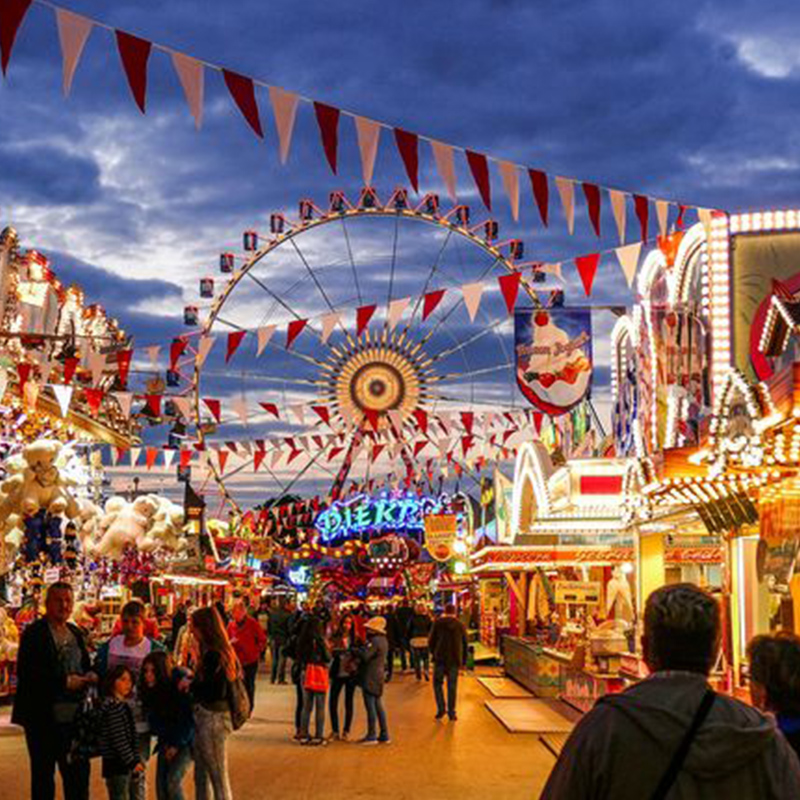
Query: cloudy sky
[696, 102]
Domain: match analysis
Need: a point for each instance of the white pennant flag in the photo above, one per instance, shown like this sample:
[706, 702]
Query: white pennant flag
[618, 208]
[63, 395]
[169, 455]
[45, 368]
[284, 107]
[134, 451]
[329, 322]
[510, 176]
[551, 269]
[628, 257]
[264, 334]
[445, 163]
[446, 418]
[396, 418]
[444, 446]
[153, 352]
[276, 457]
[97, 363]
[488, 419]
[396, 310]
[299, 412]
[368, 133]
[203, 349]
[662, 213]
[192, 77]
[472, 298]
[566, 190]
[32, 389]
[115, 454]
[124, 399]
[704, 215]
[247, 446]
[239, 407]
[183, 404]
[73, 31]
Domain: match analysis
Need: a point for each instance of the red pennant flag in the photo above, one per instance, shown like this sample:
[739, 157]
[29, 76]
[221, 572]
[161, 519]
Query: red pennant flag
[430, 301]
[373, 418]
[270, 408]
[134, 53]
[328, 121]
[258, 457]
[363, 316]
[421, 417]
[70, 365]
[154, 403]
[334, 452]
[642, 206]
[479, 168]
[12, 12]
[592, 194]
[294, 330]
[419, 447]
[466, 444]
[24, 373]
[509, 286]
[540, 192]
[679, 220]
[222, 456]
[123, 366]
[467, 420]
[508, 434]
[538, 418]
[323, 413]
[176, 350]
[587, 269]
[377, 450]
[292, 456]
[244, 95]
[317, 442]
[408, 145]
[94, 397]
[232, 447]
[234, 340]
[185, 458]
[150, 456]
[120, 453]
[458, 469]
[199, 447]
[214, 406]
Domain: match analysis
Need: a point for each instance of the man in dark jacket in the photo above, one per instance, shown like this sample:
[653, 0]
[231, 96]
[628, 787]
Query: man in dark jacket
[52, 676]
[278, 630]
[448, 647]
[622, 748]
[403, 616]
[373, 676]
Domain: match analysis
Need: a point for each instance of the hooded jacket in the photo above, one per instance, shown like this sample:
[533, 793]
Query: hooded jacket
[622, 747]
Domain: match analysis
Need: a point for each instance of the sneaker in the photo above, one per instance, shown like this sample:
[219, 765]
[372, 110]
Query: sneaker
[345, 737]
[318, 742]
[440, 715]
[366, 740]
[304, 740]
[453, 717]
[298, 736]
[387, 740]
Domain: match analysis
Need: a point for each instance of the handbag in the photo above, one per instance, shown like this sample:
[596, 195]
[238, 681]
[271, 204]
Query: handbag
[85, 742]
[349, 664]
[238, 702]
[316, 678]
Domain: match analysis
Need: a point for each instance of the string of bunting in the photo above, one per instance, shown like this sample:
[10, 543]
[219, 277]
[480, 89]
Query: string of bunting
[134, 52]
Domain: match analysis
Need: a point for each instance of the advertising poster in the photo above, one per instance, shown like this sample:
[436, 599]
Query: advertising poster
[554, 356]
[503, 494]
[440, 534]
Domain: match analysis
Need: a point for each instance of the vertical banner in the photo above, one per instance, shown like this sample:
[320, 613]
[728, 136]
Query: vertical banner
[554, 356]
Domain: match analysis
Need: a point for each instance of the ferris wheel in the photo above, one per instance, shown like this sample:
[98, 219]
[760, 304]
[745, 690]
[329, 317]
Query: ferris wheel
[351, 287]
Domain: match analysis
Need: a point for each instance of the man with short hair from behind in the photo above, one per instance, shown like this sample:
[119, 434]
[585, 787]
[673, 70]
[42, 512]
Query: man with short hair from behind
[670, 735]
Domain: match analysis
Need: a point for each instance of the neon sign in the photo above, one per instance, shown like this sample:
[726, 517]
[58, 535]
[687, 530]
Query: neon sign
[363, 517]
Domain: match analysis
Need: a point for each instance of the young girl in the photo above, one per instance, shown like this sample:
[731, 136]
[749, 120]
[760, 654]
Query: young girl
[218, 666]
[312, 653]
[169, 713]
[122, 766]
[344, 675]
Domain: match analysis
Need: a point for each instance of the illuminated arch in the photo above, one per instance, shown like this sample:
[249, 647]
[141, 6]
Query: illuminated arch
[531, 497]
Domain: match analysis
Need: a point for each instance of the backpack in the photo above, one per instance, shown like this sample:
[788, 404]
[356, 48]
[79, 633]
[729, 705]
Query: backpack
[238, 702]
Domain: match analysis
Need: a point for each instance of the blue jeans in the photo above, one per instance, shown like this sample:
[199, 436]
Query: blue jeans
[278, 667]
[440, 672]
[310, 701]
[126, 786]
[376, 713]
[169, 774]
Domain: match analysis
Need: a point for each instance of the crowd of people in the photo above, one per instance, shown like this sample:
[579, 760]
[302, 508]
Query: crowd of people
[141, 697]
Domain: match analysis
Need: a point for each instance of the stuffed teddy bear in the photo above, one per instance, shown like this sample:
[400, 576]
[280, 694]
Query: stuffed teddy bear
[9, 636]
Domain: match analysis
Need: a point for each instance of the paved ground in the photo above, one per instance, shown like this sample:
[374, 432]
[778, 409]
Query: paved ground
[472, 758]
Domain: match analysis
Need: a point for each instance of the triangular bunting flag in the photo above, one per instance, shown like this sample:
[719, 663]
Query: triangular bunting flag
[23, 374]
[12, 12]
[373, 418]
[124, 400]
[472, 298]
[169, 455]
[446, 166]
[363, 316]
[243, 93]
[298, 411]
[182, 405]
[185, 458]
[258, 457]
[618, 208]
[73, 31]
[509, 286]
[264, 334]
[234, 340]
[430, 301]
[134, 451]
[479, 168]
[538, 418]
[192, 77]
[641, 205]
[587, 269]
[239, 407]
[329, 322]
[275, 458]
[328, 121]
[176, 350]
[420, 446]
[662, 215]
[134, 53]
[396, 420]
[541, 193]
[566, 190]
[592, 194]
[214, 406]
[510, 176]
[292, 456]
[334, 452]
[421, 416]
[124, 358]
[31, 395]
[368, 133]
[377, 449]
[222, 460]
[94, 397]
[204, 346]
[70, 365]
[97, 364]
[468, 420]
[153, 353]
[396, 310]
[323, 413]
[294, 329]
[628, 257]
[63, 397]
[284, 108]
[408, 147]
[154, 403]
[150, 456]
[271, 408]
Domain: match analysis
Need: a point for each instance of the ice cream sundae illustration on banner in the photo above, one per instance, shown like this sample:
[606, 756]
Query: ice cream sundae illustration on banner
[554, 356]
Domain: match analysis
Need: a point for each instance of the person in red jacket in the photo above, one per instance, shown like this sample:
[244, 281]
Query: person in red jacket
[249, 640]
